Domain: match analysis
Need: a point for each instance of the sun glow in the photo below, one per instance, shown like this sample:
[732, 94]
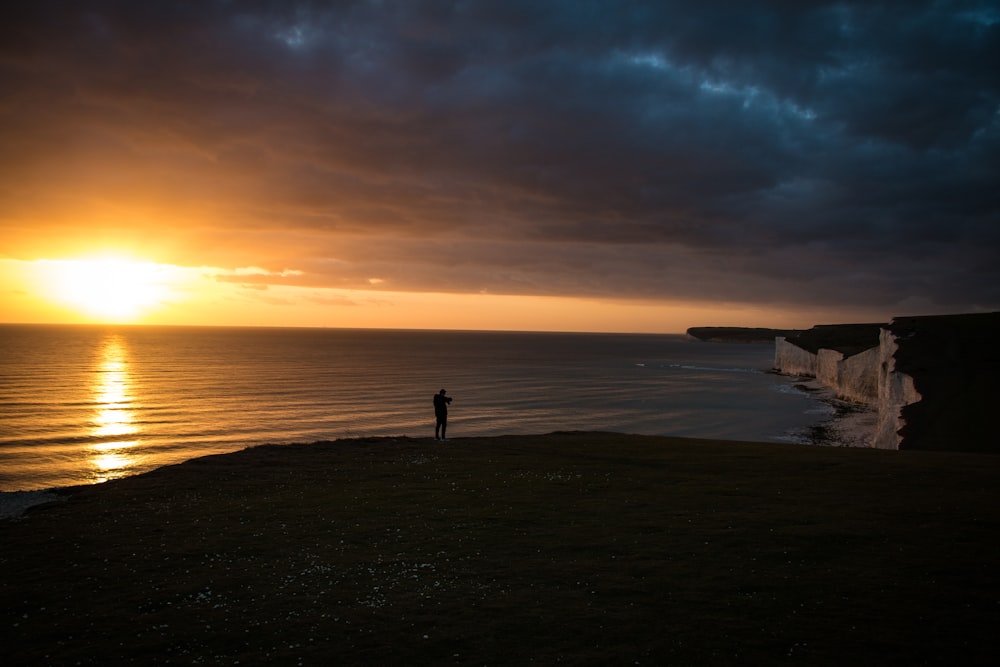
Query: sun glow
[109, 289]
[103, 290]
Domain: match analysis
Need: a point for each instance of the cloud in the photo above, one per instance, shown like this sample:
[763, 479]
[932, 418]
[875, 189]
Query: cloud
[809, 152]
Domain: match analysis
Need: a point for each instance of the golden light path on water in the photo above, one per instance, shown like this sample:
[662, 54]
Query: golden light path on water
[113, 419]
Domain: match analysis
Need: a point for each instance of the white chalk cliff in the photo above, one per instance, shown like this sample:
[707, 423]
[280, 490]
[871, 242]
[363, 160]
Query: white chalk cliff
[895, 389]
[869, 377]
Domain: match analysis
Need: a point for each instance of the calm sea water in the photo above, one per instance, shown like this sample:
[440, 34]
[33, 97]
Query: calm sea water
[84, 404]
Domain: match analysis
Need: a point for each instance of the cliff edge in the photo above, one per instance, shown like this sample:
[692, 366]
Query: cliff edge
[848, 339]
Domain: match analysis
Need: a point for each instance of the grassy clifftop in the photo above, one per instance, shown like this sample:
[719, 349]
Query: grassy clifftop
[584, 548]
[848, 339]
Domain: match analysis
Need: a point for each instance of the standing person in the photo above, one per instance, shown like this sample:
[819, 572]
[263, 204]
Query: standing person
[441, 414]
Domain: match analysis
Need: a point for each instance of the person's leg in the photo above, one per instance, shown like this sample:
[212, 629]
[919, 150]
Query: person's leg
[444, 427]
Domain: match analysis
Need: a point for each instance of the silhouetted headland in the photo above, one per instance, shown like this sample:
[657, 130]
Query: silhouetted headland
[739, 334]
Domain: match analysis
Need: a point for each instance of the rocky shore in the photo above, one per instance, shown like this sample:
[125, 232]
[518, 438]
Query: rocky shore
[850, 424]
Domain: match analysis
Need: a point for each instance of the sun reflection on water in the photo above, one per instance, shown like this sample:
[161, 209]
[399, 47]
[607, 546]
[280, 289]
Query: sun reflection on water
[113, 419]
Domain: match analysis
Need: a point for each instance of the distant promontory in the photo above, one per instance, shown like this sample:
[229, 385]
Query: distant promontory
[739, 334]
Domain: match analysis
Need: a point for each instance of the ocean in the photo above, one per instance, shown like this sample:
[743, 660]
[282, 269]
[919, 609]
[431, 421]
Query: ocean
[85, 404]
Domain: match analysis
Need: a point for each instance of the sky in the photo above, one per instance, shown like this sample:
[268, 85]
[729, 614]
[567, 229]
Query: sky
[546, 165]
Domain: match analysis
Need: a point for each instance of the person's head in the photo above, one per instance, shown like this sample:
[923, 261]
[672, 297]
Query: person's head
[442, 392]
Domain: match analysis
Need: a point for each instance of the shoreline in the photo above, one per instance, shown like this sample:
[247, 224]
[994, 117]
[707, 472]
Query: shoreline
[849, 425]
[13, 504]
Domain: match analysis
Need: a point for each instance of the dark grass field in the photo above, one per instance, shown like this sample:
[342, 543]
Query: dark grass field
[578, 548]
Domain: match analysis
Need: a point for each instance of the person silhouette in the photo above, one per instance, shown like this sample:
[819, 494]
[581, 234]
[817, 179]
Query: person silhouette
[441, 414]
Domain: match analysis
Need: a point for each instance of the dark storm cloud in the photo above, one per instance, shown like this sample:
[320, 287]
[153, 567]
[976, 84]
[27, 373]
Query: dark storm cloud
[799, 152]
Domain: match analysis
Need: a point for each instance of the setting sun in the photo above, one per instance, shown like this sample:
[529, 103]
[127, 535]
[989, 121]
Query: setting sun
[108, 288]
